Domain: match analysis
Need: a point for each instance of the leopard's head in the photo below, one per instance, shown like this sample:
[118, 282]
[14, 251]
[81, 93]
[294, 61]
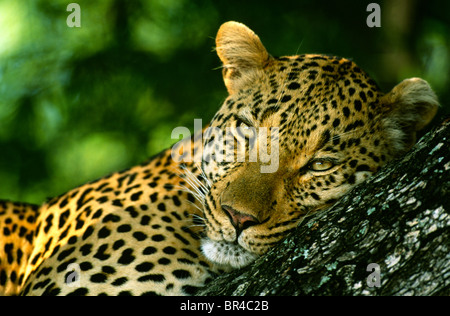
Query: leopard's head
[294, 135]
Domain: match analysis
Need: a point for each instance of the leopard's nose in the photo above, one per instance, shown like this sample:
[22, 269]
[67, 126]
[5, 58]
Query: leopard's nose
[240, 221]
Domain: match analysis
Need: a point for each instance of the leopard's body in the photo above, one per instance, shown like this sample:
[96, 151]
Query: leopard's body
[169, 226]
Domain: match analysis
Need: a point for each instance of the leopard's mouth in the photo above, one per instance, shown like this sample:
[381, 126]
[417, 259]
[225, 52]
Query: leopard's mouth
[227, 253]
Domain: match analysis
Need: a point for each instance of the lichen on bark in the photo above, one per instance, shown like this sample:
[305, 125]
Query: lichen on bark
[398, 220]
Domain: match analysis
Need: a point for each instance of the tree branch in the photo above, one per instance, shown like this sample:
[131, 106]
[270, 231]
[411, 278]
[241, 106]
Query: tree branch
[399, 220]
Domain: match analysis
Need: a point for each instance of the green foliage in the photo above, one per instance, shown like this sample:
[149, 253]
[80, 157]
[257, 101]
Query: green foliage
[78, 103]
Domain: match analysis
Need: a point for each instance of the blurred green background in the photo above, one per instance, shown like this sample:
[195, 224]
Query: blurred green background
[78, 103]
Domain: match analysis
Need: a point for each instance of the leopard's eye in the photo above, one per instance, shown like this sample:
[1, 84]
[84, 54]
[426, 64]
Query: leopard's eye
[321, 165]
[244, 130]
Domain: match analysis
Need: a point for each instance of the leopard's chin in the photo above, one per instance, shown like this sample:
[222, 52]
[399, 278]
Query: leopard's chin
[227, 254]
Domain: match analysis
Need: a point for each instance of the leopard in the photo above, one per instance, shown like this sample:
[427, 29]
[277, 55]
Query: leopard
[294, 135]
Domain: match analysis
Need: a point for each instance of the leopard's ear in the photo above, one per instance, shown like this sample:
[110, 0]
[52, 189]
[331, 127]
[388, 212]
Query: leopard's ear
[410, 106]
[241, 53]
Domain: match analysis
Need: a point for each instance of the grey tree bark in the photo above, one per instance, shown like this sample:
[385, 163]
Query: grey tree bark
[388, 236]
